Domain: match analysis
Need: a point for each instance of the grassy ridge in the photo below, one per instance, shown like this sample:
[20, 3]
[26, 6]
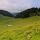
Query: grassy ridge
[20, 29]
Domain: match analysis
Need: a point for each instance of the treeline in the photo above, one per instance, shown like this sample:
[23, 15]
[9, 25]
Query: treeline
[28, 13]
[24, 14]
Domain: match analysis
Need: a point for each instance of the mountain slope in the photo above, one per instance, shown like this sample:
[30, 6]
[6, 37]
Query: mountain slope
[28, 13]
[5, 13]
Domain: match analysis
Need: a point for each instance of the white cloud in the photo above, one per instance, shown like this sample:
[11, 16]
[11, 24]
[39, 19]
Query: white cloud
[15, 5]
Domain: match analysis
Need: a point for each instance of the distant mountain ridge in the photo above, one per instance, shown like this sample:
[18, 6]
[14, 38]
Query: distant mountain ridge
[28, 13]
[24, 14]
[5, 13]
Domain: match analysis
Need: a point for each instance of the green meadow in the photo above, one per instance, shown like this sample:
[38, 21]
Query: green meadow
[20, 28]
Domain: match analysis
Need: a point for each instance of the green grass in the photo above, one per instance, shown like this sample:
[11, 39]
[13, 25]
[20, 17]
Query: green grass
[20, 29]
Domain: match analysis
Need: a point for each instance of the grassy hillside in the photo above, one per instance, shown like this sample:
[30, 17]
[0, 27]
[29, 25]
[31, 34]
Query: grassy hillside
[20, 29]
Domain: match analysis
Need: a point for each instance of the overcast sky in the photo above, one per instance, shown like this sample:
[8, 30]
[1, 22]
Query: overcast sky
[18, 5]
